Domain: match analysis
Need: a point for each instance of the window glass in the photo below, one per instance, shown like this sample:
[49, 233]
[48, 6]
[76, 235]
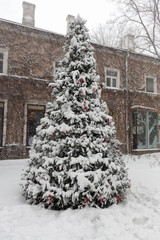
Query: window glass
[149, 84]
[112, 73]
[152, 131]
[112, 78]
[34, 115]
[114, 82]
[1, 56]
[144, 129]
[1, 62]
[56, 66]
[108, 82]
[1, 122]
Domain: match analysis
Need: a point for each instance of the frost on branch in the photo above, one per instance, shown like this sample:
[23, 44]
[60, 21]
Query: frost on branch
[75, 159]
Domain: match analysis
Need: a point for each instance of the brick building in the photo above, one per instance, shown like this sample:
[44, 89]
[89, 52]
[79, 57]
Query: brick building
[28, 60]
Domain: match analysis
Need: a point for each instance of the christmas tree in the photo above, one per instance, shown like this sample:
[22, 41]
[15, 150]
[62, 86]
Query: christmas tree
[75, 160]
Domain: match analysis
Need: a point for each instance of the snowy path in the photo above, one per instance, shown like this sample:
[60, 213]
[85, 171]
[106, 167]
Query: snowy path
[136, 219]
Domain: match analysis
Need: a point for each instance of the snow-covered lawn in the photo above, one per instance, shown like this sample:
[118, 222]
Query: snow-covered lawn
[137, 218]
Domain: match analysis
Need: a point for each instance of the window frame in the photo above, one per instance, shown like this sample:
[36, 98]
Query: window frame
[1, 139]
[154, 83]
[146, 110]
[55, 67]
[25, 131]
[5, 60]
[4, 122]
[117, 78]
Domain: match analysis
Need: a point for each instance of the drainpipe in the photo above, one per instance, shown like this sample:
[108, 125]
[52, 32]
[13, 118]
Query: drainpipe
[126, 104]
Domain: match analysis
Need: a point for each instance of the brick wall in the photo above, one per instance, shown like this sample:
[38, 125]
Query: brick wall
[31, 54]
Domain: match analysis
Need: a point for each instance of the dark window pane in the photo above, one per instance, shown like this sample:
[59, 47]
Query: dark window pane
[34, 117]
[1, 125]
[1, 66]
[56, 64]
[108, 82]
[139, 129]
[112, 73]
[152, 131]
[1, 56]
[114, 82]
[149, 84]
[134, 129]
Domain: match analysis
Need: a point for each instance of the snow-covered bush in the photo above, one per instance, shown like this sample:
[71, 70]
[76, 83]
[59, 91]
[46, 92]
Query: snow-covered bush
[75, 158]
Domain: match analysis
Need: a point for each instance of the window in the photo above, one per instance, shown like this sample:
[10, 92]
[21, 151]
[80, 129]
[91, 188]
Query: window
[34, 115]
[56, 65]
[112, 78]
[1, 122]
[3, 60]
[151, 84]
[144, 129]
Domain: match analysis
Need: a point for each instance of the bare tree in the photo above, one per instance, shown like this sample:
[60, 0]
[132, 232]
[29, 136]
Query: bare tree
[139, 17]
[144, 17]
[108, 34]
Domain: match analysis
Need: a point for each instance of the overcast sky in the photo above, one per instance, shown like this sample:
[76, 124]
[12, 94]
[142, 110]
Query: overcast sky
[51, 14]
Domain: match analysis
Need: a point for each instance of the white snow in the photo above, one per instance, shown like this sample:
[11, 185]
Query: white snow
[136, 219]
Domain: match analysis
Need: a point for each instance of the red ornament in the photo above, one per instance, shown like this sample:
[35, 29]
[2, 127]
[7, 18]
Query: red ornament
[94, 90]
[85, 108]
[85, 200]
[106, 140]
[101, 199]
[120, 196]
[118, 199]
[81, 80]
[50, 196]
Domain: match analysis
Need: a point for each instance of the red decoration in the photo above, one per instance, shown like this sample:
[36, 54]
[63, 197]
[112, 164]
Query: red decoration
[101, 199]
[110, 183]
[85, 107]
[85, 200]
[50, 196]
[119, 195]
[48, 113]
[81, 80]
[118, 199]
[106, 140]
[94, 90]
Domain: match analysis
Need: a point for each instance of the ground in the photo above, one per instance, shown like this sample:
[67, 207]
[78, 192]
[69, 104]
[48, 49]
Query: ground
[137, 218]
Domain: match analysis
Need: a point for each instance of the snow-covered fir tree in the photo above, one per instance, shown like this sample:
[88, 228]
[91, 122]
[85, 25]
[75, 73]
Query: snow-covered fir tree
[75, 160]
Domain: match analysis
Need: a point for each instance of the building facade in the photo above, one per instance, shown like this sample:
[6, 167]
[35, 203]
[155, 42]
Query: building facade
[28, 61]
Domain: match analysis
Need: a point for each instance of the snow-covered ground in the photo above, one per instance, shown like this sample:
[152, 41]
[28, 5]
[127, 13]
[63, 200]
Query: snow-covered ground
[137, 218]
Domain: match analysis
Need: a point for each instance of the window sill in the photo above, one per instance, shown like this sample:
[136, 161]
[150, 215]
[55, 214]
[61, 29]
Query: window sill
[3, 74]
[145, 150]
[114, 88]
